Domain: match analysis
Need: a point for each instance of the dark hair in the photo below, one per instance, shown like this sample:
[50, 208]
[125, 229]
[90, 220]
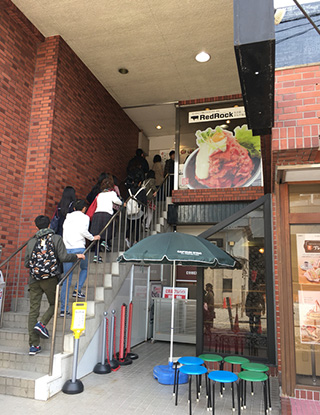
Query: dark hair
[101, 177]
[151, 174]
[107, 183]
[80, 204]
[171, 153]
[157, 158]
[42, 222]
[68, 196]
[209, 285]
[139, 152]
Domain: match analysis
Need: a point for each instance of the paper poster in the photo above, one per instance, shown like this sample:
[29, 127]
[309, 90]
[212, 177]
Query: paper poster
[309, 316]
[308, 255]
[155, 291]
[179, 293]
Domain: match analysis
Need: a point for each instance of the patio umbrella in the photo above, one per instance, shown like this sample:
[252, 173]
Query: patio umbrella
[177, 249]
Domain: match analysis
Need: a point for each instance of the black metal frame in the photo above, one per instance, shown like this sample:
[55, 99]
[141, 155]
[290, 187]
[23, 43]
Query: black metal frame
[266, 202]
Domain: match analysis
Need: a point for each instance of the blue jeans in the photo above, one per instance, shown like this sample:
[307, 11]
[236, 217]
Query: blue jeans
[82, 276]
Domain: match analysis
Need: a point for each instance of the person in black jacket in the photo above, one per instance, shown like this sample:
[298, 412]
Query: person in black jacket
[48, 284]
[138, 162]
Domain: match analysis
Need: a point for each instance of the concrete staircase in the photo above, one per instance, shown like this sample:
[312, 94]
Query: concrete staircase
[27, 376]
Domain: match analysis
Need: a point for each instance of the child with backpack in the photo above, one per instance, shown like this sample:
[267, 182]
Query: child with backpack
[44, 253]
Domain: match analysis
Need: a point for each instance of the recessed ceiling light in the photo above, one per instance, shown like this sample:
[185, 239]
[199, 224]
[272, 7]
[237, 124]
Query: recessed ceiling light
[158, 127]
[123, 71]
[203, 57]
[228, 121]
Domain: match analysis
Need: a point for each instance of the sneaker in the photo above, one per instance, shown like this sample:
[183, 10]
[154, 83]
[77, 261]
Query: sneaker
[128, 243]
[34, 350]
[80, 294]
[105, 246]
[96, 259]
[68, 314]
[42, 330]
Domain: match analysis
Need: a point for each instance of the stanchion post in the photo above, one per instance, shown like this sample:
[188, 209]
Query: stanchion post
[103, 367]
[114, 364]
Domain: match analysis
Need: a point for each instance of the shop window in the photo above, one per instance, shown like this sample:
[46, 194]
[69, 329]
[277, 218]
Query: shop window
[305, 260]
[238, 316]
[227, 285]
[304, 198]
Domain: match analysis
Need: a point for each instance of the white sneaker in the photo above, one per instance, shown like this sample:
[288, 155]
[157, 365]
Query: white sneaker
[128, 243]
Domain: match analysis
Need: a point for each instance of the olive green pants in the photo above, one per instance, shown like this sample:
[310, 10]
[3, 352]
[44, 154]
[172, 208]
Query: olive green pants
[36, 290]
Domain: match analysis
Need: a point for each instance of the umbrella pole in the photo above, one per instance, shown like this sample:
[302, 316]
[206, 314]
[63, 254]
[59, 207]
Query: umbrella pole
[172, 313]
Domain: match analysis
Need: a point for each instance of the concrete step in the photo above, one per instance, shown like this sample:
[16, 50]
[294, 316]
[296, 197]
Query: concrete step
[19, 359]
[19, 338]
[17, 382]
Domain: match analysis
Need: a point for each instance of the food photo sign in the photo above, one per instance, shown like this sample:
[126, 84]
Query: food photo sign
[309, 316]
[222, 158]
[308, 256]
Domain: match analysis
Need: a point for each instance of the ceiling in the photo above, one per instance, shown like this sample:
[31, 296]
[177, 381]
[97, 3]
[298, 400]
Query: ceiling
[156, 41]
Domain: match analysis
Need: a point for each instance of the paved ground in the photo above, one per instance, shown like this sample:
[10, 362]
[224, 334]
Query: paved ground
[133, 390]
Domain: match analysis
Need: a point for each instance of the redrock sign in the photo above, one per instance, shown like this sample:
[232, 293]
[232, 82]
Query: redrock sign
[220, 114]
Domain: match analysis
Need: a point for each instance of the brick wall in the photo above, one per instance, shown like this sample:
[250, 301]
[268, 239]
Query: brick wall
[297, 108]
[17, 65]
[58, 127]
[91, 133]
[217, 195]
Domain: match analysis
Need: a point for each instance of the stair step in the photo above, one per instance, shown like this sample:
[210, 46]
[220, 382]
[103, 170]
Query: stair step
[17, 382]
[18, 358]
[20, 338]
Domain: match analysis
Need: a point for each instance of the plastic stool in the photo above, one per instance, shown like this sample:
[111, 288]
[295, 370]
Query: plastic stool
[259, 367]
[190, 370]
[212, 358]
[236, 360]
[223, 376]
[185, 360]
[246, 376]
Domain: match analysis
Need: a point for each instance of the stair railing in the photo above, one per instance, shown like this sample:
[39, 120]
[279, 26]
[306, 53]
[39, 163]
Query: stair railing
[121, 225]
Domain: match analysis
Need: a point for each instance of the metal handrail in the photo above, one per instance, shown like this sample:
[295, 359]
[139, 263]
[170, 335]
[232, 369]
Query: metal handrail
[122, 227]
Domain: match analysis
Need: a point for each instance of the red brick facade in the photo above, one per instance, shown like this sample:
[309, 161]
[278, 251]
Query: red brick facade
[58, 126]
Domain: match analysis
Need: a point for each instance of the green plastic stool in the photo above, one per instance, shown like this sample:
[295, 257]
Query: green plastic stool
[260, 368]
[212, 358]
[247, 376]
[236, 360]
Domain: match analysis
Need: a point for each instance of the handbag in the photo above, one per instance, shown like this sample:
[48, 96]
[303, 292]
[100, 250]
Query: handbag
[92, 208]
[55, 220]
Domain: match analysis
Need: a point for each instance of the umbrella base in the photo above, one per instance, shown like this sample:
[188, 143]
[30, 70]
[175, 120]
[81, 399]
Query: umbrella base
[165, 375]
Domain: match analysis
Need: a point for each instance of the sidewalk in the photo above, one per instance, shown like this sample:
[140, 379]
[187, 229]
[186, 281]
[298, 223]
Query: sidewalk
[132, 389]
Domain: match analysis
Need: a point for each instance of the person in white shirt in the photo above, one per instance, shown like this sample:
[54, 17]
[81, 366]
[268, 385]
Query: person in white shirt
[75, 233]
[103, 214]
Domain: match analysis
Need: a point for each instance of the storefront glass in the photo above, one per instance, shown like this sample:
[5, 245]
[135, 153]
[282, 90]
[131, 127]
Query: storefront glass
[235, 302]
[305, 260]
[304, 198]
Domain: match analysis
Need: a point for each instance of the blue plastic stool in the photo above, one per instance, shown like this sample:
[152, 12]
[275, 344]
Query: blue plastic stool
[223, 376]
[191, 370]
[185, 360]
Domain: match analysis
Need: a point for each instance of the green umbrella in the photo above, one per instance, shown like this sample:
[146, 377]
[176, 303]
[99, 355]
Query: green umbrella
[184, 249]
[177, 249]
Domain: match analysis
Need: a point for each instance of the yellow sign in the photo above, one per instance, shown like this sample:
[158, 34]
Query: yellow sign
[78, 323]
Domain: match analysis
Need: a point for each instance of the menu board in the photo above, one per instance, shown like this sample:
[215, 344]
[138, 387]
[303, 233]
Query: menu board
[309, 316]
[308, 255]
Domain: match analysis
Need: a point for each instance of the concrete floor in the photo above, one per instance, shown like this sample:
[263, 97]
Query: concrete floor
[132, 389]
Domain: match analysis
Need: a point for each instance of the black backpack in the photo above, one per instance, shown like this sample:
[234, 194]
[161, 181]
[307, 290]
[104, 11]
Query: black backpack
[43, 263]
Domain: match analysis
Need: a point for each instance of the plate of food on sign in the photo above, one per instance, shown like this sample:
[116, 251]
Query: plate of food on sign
[224, 159]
